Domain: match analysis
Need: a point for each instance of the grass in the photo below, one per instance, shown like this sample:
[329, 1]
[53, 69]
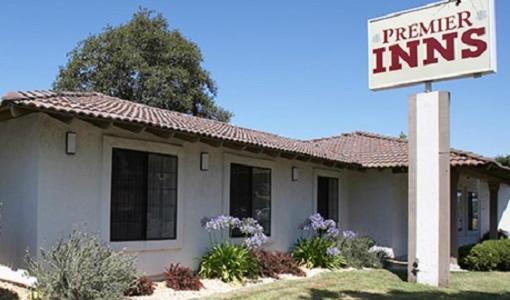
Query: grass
[378, 284]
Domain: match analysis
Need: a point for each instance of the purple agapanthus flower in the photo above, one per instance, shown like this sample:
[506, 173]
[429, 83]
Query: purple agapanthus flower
[333, 251]
[219, 223]
[319, 225]
[250, 226]
[348, 234]
[317, 222]
[255, 241]
[332, 232]
[329, 223]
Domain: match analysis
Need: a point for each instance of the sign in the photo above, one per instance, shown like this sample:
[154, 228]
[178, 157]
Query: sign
[444, 40]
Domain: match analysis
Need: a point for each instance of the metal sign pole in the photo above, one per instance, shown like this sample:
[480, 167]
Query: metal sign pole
[428, 86]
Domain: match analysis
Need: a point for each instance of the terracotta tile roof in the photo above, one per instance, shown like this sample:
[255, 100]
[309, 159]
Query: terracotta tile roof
[357, 149]
[100, 106]
[378, 151]
[370, 150]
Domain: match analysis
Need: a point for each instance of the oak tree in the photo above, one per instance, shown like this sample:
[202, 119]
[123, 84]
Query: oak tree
[143, 61]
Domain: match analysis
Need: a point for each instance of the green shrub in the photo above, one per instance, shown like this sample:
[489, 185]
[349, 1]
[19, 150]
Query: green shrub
[81, 268]
[273, 264]
[463, 253]
[315, 253]
[487, 256]
[482, 258]
[181, 278]
[357, 253]
[228, 262]
[503, 247]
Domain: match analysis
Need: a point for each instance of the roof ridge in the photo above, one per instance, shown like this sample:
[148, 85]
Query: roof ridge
[472, 154]
[362, 133]
[478, 156]
[44, 94]
[452, 150]
[380, 136]
[328, 137]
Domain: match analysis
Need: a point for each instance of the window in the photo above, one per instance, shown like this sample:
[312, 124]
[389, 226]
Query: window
[250, 194]
[327, 197]
[473, 211]
[460, 211]
[143, 196]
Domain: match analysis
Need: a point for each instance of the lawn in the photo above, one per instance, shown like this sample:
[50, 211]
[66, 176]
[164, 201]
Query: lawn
[378, 284]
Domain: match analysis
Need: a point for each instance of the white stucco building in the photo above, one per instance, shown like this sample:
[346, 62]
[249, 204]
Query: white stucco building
[142, 179]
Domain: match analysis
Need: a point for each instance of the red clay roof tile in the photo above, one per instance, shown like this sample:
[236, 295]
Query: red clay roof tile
[360, 149]
[378, 151]
[96, 105]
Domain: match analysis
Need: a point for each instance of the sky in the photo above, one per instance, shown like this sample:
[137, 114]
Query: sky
[291, 67]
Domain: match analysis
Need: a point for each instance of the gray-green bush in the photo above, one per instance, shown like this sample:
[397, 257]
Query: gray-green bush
[357, 252]
[80, 267]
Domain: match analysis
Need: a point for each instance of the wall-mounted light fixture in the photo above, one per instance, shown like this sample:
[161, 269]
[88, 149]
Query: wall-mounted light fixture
[70, 143]
[204, 161]
[295, 173]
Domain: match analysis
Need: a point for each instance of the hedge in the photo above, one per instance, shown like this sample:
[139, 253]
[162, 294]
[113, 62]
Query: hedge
[493, 255]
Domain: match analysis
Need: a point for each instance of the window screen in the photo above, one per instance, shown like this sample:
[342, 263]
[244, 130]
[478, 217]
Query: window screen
[327, 197]
[250, 194]
[143, 196]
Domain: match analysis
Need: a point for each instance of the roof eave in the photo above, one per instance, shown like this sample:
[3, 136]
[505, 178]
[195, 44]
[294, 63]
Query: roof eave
[14, 109]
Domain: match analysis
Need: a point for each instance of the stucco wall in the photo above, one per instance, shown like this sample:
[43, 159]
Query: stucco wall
[484, 198]
[18, 188]
[47, 193]
[378, 207]
[504, 207]
[466, 184]
[74, 189]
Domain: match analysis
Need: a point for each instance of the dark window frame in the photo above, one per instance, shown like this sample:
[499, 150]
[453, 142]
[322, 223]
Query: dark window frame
[114, 237]
[329, 179]
[250, 205]
[470, 212]
[460, 212]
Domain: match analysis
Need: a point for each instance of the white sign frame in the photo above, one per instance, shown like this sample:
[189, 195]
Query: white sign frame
[443, 70]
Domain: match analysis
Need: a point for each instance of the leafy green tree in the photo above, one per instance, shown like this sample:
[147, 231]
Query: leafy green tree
[144, 61]
[504, 160]
[402, 135]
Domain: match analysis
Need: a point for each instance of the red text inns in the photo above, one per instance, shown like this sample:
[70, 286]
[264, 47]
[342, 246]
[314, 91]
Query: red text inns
[417, 35]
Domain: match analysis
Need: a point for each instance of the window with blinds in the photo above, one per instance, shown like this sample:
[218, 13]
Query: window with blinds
[143, 196]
